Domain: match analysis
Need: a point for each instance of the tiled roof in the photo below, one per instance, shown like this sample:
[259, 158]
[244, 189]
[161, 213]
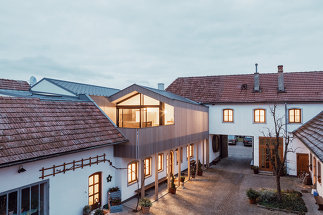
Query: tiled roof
[299, 86]
[14, 85]
[79, 88]
[31, 128]
[311, 134]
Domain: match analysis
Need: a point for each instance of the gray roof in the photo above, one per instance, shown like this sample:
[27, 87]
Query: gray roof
[79, 88]
[170, 95]
[311, 134]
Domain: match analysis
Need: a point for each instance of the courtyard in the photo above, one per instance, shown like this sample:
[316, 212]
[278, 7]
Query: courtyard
[222, 188]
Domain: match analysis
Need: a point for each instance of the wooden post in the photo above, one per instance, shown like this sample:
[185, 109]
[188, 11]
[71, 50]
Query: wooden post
[168, 170]
[188, 162]
[142, 178]
[203, 151]
[207, 153]
[197, 157]
[156, 176]
[179, 166]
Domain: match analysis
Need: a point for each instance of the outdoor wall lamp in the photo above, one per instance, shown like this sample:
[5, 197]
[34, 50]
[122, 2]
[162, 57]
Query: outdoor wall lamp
[21, 169]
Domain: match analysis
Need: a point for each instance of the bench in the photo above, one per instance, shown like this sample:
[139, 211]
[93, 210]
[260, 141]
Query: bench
[319, 202]
[151, 185]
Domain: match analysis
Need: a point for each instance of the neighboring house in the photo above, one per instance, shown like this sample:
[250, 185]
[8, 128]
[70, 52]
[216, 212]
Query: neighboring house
[158, 124]
[54, 154]
[308, 143]
[240, 105]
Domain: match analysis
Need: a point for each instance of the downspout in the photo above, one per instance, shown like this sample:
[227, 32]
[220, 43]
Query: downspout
[286, 131]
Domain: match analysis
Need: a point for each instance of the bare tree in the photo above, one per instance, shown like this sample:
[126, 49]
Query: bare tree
[278, 162]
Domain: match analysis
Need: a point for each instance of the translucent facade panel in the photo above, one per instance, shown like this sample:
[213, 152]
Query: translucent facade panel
[169, 114]
[150, 101]
[134, 100]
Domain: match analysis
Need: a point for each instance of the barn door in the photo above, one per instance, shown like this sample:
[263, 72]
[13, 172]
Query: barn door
[302, 163]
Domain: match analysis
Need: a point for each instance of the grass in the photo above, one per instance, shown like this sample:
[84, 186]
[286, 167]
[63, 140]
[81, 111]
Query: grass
[291, 200]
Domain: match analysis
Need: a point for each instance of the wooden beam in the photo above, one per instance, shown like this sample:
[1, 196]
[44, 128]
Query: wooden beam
[156, 176]
[179, 166]
[197, 157]
[188, 162]
[142, 178]
[203, 151]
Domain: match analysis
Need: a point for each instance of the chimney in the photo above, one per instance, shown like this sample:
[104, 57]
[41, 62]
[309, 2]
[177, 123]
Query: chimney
[256, 87]
[281, 87]
[161, 86]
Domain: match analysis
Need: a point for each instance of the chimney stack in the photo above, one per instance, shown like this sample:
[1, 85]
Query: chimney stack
[161, 86]
[281, 86]
[256, 87]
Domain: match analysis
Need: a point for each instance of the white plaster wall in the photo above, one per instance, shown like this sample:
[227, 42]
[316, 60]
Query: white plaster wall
[47, 87]
[296, 146]
[67, 192]
[243, 120]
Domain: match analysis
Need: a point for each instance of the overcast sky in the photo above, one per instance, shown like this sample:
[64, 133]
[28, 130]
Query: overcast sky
[117, 43]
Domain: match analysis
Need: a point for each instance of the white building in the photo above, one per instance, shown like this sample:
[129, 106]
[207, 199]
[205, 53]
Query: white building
[240, 105]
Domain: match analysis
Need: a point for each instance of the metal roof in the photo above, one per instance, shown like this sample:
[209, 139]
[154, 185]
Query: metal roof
[311, 134]
[79, 88]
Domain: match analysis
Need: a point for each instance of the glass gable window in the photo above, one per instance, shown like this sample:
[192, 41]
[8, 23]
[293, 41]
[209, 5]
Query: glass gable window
[141, 111]
[26, 200]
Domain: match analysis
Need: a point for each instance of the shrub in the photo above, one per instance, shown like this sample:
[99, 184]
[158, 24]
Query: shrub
[252, 194]
[99, 212]
[114, 189]
[172, 184]
[182, 178]
[267, 196]
[145, 202]
[86, 209]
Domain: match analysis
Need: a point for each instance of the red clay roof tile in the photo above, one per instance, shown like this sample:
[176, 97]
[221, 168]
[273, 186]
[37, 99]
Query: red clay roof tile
[14, 85]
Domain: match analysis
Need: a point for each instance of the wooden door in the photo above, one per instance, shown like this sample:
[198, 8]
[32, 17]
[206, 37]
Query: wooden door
[266, 153]
[302, 163]
[95, 190]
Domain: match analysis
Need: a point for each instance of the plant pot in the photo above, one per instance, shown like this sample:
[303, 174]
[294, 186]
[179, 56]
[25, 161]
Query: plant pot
[106, 211]
[193, 175]
[115, 194]
[199, 173]
[172, 190]
[255, 171]
[182, 180]
[252, 201]
[145, 210]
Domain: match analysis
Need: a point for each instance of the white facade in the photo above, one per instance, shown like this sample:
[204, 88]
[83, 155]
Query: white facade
[243, 123]
[67, 193]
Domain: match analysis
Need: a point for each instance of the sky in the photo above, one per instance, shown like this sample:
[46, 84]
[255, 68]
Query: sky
[118, 43]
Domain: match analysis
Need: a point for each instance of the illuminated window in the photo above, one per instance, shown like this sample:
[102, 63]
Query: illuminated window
[181, 155]
[319, 172]
[294, 115]
[147, 167]
[259, 115]
[95, 190]
[190, 151]
[160, 162]
[169, 114]
[132, 172]
[227, 115]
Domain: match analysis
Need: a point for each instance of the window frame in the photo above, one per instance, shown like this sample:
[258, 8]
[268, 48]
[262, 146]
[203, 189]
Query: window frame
[136, 171]
[300, 115]
[150, 160]
[161, 162]
[254, 116]
[319, 174]
[223, 115]
[93, 185]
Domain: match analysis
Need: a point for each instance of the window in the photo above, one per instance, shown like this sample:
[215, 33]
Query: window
[319, 172]
[141, 111]
[95, 190]
[31, 199]
[190, 151]
[132, 172]
[160, 162]
[294, 115]
[147, 167]
[180, 155]
[227, 115]
[259, 115]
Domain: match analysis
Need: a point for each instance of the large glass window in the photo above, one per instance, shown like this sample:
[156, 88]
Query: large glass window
[141, 111]
[26, 200]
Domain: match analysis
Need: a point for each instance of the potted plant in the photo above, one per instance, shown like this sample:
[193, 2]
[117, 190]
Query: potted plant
[172, 188]
[105, 209]
[145, 204]
[182, 179]
[193, 172]
[114, 195]
[115, 202]
[252, 195]
[199, 169]
[99, 212]
[115, 192]
[86, 210]
[255, 169]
